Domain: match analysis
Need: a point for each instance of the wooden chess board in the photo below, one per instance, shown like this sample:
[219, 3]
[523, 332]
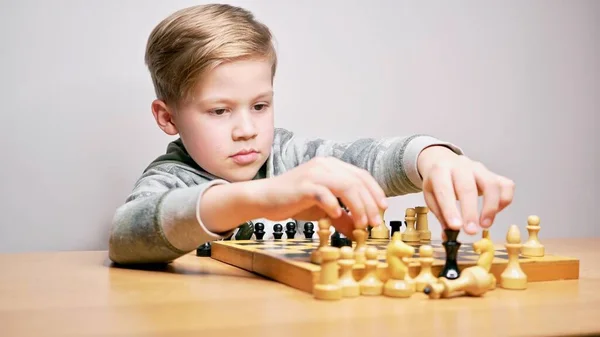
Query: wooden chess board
[288, 261]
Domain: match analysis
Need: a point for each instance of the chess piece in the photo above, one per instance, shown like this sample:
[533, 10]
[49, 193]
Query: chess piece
[485, 234]
[473, 281]
[381, 231]
[290, 229]
[309, 230]
[347, 282]
[410, 234]
[513, 276]
[360, 236]
[399, 283]
[533, 247]
[423, 224]
[485, 248]
[370, 285]
[259, 230]
[324, 232]
[328, 288]
[425, 276]
[277, 231]
[245, 231]
[339, 240]
[395, 225]
[451, 246]
[204, 250]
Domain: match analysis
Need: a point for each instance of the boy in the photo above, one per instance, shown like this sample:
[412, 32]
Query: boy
[213, 67]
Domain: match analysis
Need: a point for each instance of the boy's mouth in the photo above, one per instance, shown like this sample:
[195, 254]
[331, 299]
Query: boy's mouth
[245, 157]
[245, 152]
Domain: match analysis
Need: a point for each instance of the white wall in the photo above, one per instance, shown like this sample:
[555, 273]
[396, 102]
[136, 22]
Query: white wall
[516, 84]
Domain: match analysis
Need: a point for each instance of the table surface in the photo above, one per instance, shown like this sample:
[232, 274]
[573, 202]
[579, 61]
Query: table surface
[83, 294]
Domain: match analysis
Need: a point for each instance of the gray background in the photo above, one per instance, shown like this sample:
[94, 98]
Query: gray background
[516, 84]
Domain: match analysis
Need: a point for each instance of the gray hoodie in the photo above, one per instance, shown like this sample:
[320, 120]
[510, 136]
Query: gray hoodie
[160, 219]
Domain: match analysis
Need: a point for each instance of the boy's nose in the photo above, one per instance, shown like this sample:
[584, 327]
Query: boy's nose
[244, 128]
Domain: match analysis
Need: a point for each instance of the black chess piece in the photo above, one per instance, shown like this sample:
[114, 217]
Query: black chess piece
[451, 246]
[339, 240]
[290, 229]
[259, 230]
[395, 224]
[204, 249]
[344, 241]
[245, 231]
[309, 230]
[369, 227]
[277, 231]
[334, 240]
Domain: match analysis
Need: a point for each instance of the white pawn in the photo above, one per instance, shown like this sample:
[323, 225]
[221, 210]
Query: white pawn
[410, 234]
[425, 276]
[533, 247]
[328, 288]
[349, 285]
[513, 276]
[370, 284]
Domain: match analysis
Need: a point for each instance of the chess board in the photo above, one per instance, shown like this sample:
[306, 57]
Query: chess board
[288, 261]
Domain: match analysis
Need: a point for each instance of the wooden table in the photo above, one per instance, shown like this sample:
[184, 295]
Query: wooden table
[82, 294]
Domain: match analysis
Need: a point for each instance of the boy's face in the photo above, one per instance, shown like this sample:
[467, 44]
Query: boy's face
[228, 126]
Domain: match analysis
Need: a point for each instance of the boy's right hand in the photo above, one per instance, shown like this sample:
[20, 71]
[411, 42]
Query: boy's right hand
[311, 191]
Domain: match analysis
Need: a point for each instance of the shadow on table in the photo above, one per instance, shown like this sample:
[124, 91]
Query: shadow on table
[184, 266]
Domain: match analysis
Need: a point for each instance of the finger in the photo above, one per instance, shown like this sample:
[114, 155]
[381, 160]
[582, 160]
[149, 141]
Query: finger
[371, 184]
[490, 190]
[443, 190]
[507, 192]
[344, 184]
[465, 188]
[372, 210]
[322, 197]
[313, 213]
[354, 202]
[371, 193]
[344, 224]
[434, 208]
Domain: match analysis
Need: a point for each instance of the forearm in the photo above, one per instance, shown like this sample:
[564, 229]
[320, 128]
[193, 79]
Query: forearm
[136, 235]
[160, 227]
[225, 207]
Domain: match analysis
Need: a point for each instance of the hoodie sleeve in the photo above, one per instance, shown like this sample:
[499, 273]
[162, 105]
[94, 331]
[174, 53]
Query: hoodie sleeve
[160, 220]
[391, 161]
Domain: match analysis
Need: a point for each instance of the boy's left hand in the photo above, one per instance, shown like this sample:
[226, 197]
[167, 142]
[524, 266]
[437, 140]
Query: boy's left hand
[448, 177]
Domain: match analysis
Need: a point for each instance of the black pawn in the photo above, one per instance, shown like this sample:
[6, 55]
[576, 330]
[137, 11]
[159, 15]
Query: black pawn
[290, 229]
[277, 231]
[204, 249]
[259, 230]
[395, 224]
[309, 230]
[451, 246]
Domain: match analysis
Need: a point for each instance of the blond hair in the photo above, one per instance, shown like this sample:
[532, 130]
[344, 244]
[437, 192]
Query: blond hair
[194, 40]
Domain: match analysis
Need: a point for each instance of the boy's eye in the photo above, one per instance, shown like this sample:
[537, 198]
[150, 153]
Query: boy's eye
[219, 112]
[260, 106]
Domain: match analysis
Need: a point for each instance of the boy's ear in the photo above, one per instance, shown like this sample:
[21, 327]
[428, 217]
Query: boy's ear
[164, 117]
